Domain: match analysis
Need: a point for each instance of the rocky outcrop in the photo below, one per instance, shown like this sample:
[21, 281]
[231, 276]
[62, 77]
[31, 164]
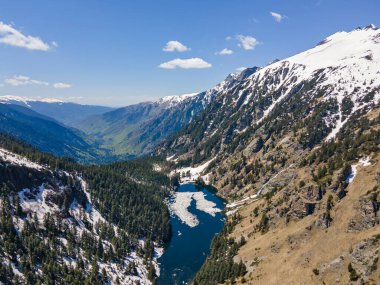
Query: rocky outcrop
[367, 215]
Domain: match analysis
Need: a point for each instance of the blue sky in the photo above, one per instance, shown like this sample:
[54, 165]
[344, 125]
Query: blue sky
[110, 52]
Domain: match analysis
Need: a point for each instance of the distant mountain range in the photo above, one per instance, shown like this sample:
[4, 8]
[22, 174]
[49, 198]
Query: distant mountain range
[319, 91]
[237, 106]
[65, 112]
[46, 133]
[138, 129]
[293, 147]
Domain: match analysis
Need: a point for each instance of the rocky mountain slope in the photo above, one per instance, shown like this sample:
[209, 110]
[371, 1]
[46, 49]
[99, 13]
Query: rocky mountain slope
[293, 146]
[295, 149]
[63, 221]
[327, 85]
[64, 112]
[138, 129]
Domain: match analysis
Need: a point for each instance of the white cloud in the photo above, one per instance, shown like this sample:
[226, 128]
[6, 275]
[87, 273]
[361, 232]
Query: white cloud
[175, 46]
[277, 17]
[185, 63]
[60, 85]
[225, 51]
[247, 42]
[13, 37]
[18, 80]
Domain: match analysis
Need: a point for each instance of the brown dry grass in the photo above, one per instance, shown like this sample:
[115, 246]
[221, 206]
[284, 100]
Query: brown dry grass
[283, 262]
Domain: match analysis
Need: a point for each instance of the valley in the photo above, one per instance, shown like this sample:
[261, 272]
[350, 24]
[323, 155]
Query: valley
[270, 177]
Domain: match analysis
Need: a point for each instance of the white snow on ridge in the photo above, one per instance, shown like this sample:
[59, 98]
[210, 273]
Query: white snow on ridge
[349, 62]
[340, 49]
[26, 100]
[176, 99]
[35, 201]
[16, 159]
[170, 158]
[194, 172]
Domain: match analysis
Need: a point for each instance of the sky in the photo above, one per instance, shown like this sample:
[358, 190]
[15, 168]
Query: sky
[120, 52]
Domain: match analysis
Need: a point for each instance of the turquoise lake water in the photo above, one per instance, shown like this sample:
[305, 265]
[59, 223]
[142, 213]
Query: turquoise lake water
[189, 247]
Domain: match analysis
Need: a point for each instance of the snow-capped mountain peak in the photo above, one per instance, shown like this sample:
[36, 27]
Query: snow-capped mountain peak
[175, 99]
[346, 63]
[25, 100]
[342, 48]
[329, 85]
[371, 26]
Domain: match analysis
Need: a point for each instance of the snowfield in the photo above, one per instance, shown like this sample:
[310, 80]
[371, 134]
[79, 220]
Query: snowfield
[349, 62]
[16, 159]
[344, 65]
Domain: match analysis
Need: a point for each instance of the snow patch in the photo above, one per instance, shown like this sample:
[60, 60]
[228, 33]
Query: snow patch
[191, 174]
[16, 159]
[354, 168]
[157, 167]
[170, 158]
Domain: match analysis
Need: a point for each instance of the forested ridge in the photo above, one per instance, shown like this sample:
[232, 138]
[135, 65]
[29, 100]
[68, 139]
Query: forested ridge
[69, 246]
[219, 265]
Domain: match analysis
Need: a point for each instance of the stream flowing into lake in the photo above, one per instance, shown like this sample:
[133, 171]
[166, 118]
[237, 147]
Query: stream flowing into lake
[196, 218]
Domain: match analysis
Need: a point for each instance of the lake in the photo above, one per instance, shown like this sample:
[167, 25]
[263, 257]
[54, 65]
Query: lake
[189, 246]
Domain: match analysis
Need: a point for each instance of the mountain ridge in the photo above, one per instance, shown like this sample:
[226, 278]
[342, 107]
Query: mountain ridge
[296, 148]
[68, 113]
[139, 128]
[260, 93]
[293, 147]
[60, 208]
[46, 133]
